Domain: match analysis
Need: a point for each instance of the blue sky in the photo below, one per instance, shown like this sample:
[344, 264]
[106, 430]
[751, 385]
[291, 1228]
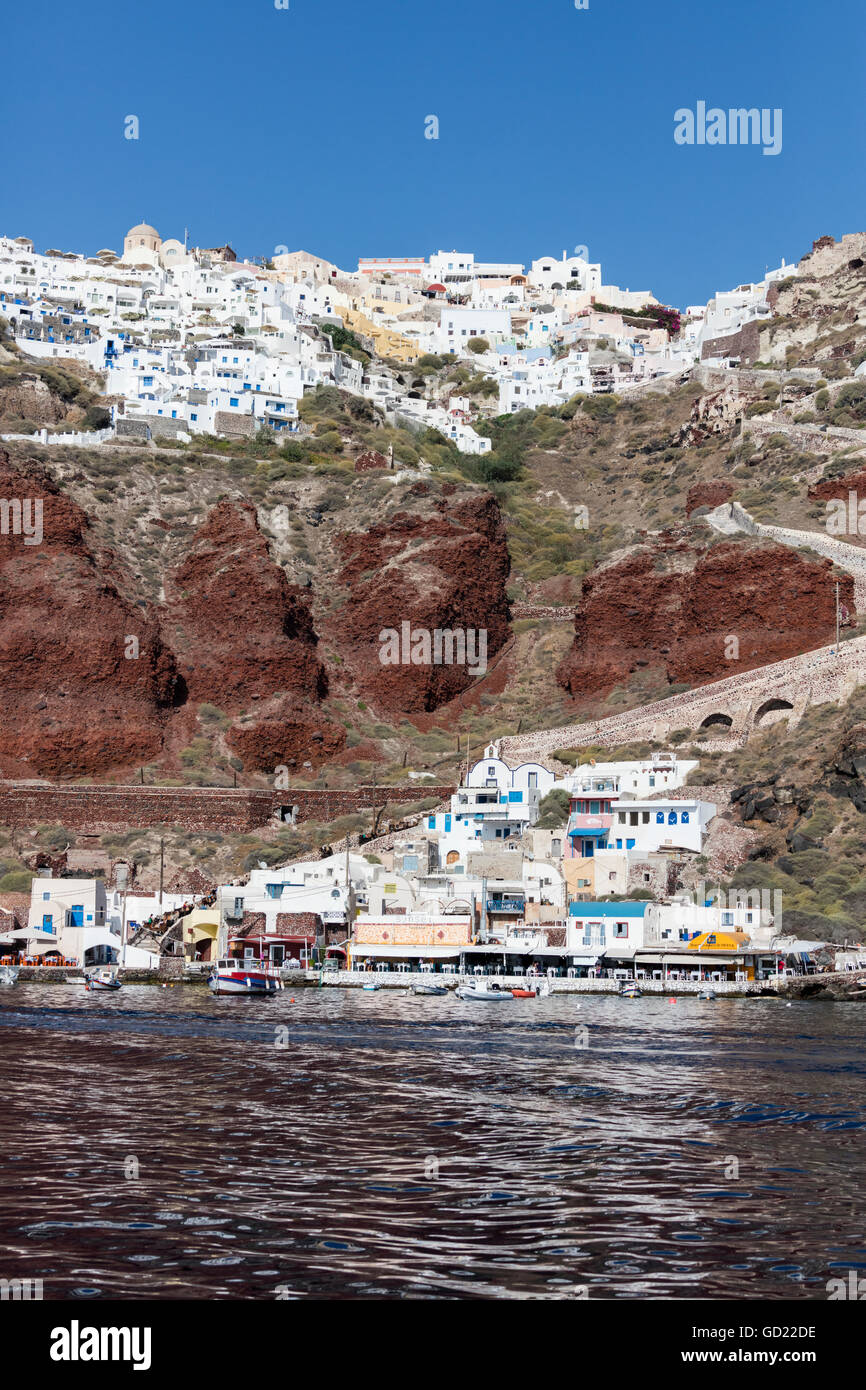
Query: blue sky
[305, 127]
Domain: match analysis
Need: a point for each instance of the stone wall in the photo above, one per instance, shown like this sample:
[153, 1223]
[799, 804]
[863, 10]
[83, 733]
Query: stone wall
[104, 808]
[743, 344]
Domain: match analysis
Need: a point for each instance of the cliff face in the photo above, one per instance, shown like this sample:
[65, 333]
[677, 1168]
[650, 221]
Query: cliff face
[444, 565]
[673, 609]
[85, 680]
[245, 642]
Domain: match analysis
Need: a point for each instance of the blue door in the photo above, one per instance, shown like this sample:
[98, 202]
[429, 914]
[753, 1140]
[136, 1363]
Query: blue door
[76, 915]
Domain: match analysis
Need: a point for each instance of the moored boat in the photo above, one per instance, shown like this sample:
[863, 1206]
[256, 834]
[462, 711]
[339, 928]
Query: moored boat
[248, 977]
[483, 993]
[630, 990]
[104, 978]
[707, 994]
[429, 989]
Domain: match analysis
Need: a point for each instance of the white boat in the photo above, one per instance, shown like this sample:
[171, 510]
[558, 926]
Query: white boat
[372, 985]
[104, 978]
[630, 990]
[248, 977]
[707, 994]
[482, 993]
[8, 974]
[429, 989]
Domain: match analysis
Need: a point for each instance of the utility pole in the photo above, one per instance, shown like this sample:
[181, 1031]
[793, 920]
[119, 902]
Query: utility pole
[161, 868]
[837, 617]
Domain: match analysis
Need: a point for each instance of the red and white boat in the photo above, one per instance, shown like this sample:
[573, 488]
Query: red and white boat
[248, 976]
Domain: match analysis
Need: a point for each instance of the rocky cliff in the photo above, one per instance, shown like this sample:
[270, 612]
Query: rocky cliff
[245, 641]
[444, 565]
[672, 609]
[86, 681]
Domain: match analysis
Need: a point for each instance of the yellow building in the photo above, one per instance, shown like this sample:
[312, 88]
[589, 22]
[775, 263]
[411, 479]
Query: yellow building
[199, 932]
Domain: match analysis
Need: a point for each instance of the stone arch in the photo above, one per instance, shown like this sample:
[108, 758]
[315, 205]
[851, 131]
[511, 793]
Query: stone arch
[716, 720]
[771, 711]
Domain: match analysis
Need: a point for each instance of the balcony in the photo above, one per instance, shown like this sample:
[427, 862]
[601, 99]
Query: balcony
[505, 905]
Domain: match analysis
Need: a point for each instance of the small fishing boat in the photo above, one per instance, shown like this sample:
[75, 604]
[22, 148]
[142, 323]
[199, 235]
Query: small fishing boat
[372, 985]
[248, 977]
[8, 974]
[483, 993]
[630, 990]
[104, 978]
[707, 994]
[429, 989]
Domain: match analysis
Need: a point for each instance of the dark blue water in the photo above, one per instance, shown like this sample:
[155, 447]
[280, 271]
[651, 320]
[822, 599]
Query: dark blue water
[160, 1143]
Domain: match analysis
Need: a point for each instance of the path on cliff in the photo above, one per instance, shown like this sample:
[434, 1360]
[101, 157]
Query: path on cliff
[731, 518]
[823, 674]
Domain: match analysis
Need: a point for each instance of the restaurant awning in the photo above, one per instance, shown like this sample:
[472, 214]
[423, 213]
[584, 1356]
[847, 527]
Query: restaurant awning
[695, 960]
[422, 952]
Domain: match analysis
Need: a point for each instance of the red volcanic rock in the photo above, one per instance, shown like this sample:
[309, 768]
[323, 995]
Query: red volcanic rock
[443, 565]
[708, 494]
[267, 744]
[242, 633]
[671, 610]
[71, 700]
[370, 459]
[838, 488]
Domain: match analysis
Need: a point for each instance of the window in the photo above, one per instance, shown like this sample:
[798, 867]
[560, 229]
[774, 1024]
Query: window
[621, 817]
[645, 815]
[632, 817]
[233, 400]
[533, 779]
[727, 919]
[629, 844]
[684, 817]
[660, 817]
[620, 929]
[491, 772]
[593, 808]
[672, 817]
[46, 897]
[619, 844]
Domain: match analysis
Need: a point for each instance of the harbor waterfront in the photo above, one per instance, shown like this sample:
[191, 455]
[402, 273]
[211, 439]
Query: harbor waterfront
[850, 985]
[332, 1143]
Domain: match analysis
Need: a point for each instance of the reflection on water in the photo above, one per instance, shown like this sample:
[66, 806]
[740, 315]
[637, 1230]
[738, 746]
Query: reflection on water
[337, 1143]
